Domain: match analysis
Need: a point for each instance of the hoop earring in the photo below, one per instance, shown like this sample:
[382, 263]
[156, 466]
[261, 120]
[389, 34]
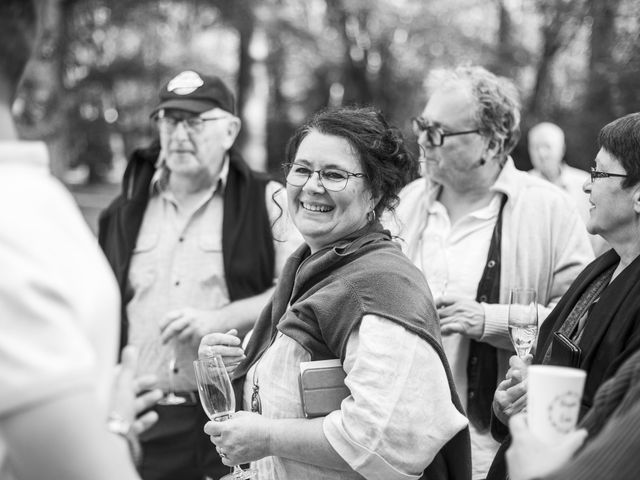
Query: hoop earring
[371, 216]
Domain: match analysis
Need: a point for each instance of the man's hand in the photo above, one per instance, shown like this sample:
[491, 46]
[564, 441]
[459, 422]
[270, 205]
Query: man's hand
[529, 457]
[146, 397]
[459, 315]
[127, 400]
[511, 394]
[189, 325]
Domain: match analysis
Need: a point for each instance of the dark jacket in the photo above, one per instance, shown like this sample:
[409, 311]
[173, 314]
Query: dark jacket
[612, 329]
[611, 334]
[247, 241]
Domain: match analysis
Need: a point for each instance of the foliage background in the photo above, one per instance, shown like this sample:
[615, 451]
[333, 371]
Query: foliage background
[100, 64]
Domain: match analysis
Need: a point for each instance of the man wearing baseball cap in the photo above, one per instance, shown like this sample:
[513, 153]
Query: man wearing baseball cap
[196, 240]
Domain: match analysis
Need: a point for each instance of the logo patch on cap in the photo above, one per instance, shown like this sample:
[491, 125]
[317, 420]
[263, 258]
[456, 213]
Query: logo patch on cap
[185, 83]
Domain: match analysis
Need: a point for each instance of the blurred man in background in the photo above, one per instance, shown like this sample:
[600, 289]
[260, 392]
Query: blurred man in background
[196, 240]
[547, 149]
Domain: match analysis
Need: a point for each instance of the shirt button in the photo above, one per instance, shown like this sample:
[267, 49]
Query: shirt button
[177, 283]
[473, 360]
[483, 298]
[181, 239]
[491, 263]
[472, 394]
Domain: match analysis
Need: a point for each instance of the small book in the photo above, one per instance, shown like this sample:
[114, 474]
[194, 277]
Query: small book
[322, 387]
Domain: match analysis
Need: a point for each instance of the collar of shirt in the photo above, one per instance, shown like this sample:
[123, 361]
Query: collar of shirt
[565, 182]
[24, 154]
[504, 184]
[437, 210]
[160, 179]
[562, 181]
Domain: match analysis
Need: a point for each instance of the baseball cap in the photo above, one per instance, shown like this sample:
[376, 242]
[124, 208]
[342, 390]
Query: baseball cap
[196, 93]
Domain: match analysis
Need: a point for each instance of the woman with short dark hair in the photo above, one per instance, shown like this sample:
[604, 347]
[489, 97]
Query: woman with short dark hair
[596, 324]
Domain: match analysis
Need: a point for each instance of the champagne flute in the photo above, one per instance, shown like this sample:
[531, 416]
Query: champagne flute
[218, 400]
[171, 398]
[523, 319]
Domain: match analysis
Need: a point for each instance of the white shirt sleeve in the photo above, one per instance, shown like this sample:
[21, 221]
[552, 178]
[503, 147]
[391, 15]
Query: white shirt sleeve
[286, 236]
[400, 413]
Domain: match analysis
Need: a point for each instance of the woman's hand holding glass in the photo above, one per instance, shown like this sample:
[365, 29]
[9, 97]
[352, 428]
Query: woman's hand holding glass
[219, 402]
[227, 345]
[511, 394]
[243, 438]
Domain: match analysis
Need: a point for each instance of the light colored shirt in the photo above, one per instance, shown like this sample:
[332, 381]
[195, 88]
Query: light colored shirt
[59, 301]
[543, 246]
[453, 257]
[177, 262]
[398, 416]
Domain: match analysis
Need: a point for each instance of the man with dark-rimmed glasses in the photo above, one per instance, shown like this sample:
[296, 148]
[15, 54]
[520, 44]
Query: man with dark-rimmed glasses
[478, 227]
[196, 240]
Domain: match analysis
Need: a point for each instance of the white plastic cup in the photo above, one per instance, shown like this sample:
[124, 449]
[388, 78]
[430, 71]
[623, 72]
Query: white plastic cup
[554, 396]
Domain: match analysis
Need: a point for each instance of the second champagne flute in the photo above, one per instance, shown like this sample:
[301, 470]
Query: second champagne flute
[523, 319]
[218, 399]
[171, 398]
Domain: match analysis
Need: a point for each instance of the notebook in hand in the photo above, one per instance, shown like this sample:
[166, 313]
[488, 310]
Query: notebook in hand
[322, 387]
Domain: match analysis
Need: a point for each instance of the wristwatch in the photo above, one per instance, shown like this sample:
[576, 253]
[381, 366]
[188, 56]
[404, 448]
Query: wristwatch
[118, 425]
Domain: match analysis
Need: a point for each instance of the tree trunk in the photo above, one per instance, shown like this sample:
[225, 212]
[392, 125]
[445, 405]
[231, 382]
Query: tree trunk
[600, 84]
[357, 89]
[54, 15]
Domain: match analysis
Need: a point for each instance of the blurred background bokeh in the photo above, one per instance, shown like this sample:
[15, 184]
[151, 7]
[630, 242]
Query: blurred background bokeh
[100, 63]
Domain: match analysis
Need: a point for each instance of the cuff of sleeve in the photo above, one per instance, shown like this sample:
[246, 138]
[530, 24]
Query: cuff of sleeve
[496, 322]
[367, 463]
[117, 425]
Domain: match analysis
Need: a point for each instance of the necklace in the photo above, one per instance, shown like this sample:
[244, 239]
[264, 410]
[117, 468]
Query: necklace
[256, 403]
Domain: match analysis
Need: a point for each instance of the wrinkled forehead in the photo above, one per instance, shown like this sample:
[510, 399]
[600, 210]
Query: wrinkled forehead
[607, 161]
[452, 104]
[322, 150]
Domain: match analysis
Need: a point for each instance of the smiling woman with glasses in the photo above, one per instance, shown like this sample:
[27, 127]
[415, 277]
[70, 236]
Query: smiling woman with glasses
[332, 179]
[347, 294]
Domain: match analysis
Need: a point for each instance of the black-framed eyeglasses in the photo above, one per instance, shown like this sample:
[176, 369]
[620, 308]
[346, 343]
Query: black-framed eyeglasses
[597, 174]
[331, 179]
[192, 124]
[435, 135]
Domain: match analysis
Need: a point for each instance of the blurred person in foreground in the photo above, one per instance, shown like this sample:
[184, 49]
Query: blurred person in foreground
[547, 149]
[347, 293]
[477, 227]
[196, 240]
[600, 313]
[58, 312]
[611, 429]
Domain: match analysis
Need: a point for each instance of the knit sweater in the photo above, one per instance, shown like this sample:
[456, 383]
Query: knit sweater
[544, 244]
[322, 297]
